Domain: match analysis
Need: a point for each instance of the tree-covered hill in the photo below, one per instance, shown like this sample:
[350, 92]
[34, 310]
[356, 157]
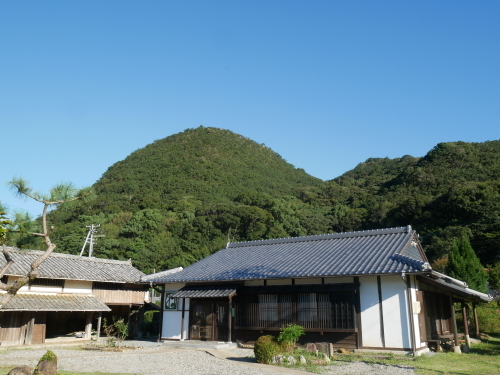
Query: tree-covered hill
[454, 189]
[183, 197]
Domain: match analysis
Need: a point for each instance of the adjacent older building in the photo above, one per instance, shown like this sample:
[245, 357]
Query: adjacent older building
[72, 293]
[361, 290]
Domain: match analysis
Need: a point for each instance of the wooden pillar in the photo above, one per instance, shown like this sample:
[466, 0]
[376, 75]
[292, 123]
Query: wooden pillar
[182, 319]
[456, 348]
[99, 318]
[230, 318]
[476, 321]
[162, 299]
[466, 324]
[88, 324]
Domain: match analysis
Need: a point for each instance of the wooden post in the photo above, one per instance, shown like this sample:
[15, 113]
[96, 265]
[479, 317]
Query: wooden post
[230, 318]
[466, 324]
[162, 299]
[88, 325]
[182, 320]
[456, 347]
[476, 321]
[99, 318]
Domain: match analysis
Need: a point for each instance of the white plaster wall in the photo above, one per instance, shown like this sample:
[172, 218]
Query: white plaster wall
[77, 286]
[395, 312]
[172, 319]
[280, 282]
[172, 325]
[338, 280]
[370, 315]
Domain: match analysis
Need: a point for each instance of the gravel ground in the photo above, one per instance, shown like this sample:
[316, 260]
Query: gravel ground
[150, 361]
[158, 361]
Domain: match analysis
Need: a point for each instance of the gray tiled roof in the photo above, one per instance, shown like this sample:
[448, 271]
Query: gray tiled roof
[65, 266]
[206, 291]
[339, 254]
[54, 302]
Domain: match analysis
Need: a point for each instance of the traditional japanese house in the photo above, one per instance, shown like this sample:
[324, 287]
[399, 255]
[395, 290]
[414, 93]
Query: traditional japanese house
[369, 290]
[72, 293]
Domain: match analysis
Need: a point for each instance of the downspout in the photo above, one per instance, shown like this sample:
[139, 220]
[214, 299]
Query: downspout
[182, 319]
[410, 309]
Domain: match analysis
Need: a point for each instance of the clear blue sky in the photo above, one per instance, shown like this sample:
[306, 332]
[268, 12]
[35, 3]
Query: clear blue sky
[326, 84]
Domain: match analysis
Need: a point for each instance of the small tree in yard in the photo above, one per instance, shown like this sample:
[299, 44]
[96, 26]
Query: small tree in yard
[464, 264]
[289, 335]
[59, 194]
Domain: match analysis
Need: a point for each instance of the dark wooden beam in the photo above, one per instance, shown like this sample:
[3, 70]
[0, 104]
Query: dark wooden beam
[381, 311]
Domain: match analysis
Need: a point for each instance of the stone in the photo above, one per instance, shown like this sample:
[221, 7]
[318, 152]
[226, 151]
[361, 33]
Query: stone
[318, 362]
[21, 370]
[47, 364]
[326, 358]
[291, 360]
[302, 360]
[330, 349]
[278, 358]
[322, 347]
[342, 350]
[311, 348]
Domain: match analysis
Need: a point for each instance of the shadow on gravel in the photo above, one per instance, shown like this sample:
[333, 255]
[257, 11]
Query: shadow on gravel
[242, 359]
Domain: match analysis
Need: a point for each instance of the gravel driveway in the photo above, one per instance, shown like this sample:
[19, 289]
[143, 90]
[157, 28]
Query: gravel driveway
[162, 361]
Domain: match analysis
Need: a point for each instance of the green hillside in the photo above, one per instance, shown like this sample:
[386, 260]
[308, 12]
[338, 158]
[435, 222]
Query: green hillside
[183, 197]
[454, 189]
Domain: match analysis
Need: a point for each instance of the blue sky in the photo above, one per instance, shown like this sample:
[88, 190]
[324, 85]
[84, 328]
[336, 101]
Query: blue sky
[326, 84]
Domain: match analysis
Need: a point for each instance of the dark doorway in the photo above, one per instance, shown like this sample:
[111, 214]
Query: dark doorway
[209, 320]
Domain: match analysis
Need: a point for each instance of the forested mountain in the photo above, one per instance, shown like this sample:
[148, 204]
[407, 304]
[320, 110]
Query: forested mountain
[183, 197]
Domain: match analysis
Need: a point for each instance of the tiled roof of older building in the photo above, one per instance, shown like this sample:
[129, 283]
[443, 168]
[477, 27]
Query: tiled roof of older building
[66, 266]
[54, 302]
[383, 251]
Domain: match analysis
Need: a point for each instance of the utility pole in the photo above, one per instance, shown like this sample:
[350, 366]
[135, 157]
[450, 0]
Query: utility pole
[90, 239]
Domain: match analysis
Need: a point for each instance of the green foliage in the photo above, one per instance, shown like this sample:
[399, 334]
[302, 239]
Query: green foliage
[147, 322]
[489, 318]
[464, 265]
[4, 222]
[265, 348]
[49, 356]
[121, 329]
[289, 335]
[494, 276]
[184, 197]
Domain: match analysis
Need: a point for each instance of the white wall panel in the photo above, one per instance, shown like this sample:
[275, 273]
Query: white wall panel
[370, 315]
[395, 312]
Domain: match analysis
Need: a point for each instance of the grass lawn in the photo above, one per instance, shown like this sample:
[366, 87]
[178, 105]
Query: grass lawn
[484, 359]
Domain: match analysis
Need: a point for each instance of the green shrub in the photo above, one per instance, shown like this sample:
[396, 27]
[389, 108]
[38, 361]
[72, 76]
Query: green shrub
[289, 335]
[265, 348]
[489, 317]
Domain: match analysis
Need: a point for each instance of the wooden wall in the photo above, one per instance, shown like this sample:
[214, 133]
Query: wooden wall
[17, 328]
[125, 297]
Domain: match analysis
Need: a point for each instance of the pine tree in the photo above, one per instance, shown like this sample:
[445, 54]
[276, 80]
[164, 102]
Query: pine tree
[463, 264]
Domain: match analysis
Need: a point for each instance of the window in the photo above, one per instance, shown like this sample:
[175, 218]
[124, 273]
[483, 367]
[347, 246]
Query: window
[47, 282]
[107, 286]
[333, 310]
